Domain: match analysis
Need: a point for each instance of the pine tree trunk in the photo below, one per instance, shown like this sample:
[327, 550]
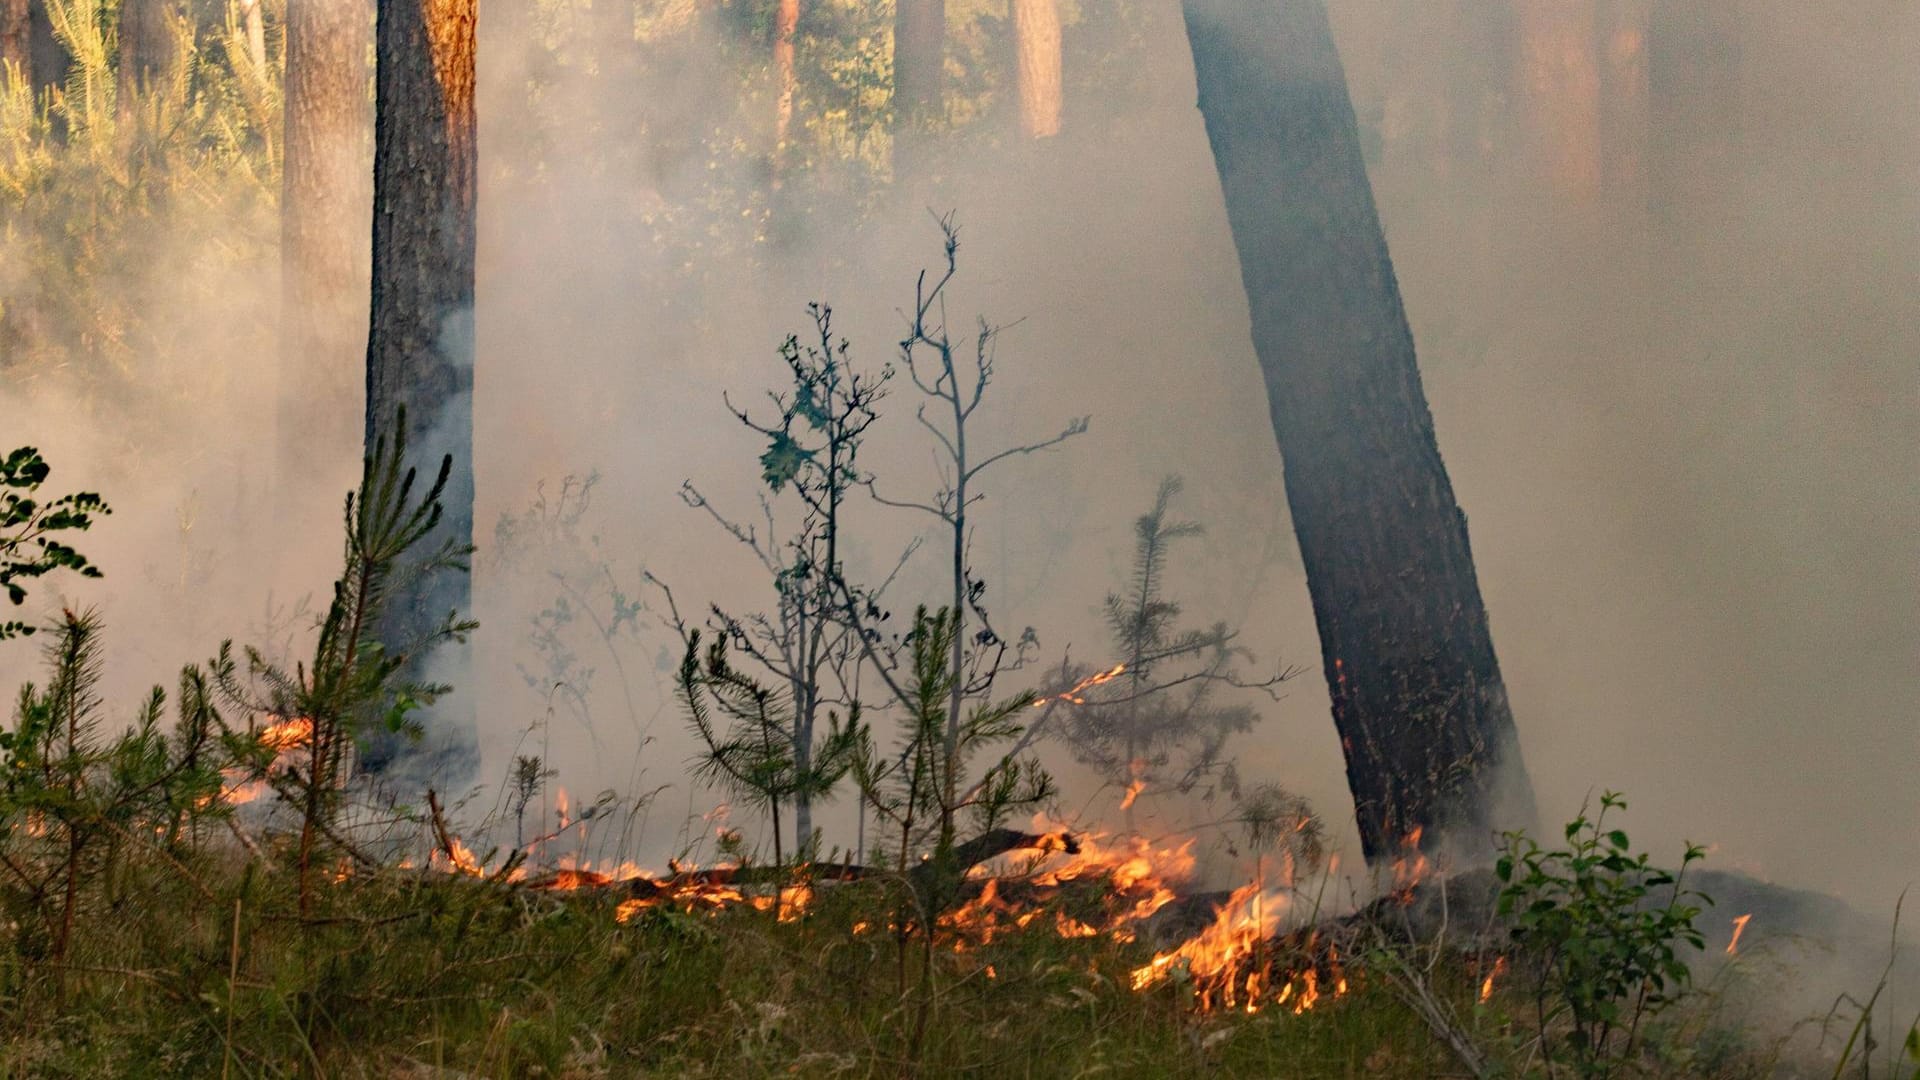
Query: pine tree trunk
[49, 57]
[255, 23]
[1036, 33]
[1694, 91]
[326, 210]
[1416, 690]
[785, 23]
[1623, 92]
[919, 70]
[16, 37]
[1559, 93]
[146, 47]
[420, 351]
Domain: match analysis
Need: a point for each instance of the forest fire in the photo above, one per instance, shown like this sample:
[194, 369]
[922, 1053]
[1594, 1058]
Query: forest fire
[1073, 887]
[288, 739]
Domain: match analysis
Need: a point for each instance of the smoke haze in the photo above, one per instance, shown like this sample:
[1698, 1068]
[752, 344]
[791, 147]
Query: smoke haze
[1686, 440]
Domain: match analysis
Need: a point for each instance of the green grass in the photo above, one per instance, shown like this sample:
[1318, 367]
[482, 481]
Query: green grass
[419, 973]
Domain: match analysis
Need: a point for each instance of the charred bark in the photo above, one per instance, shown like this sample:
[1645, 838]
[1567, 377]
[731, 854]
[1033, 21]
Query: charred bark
[420, 349]
[1416, 691]
[1036, 34]
[326, 198]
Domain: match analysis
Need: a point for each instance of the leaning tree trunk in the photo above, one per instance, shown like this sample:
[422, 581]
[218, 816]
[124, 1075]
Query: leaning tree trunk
[326, 198]
[420, 351]
[919, 65]
[1036, 34]
[1417, 697]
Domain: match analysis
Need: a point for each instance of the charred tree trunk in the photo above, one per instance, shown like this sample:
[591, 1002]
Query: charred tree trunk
[16, 37]
[326, 198]
[420, 350]
[919, 69]
[1036, 34]
[1416, 690]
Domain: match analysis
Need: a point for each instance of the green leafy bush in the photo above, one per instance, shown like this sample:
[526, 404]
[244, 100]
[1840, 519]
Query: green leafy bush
[1604, 929]
[26, 549]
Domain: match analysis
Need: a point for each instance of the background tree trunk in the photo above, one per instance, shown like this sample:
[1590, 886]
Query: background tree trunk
[919, 76]
[49, 56]
[146, 46]
[1416, 690]
[420, 350]
[1559, 93]
[16, 36]
[255, 22]
[786, 22]
[1623, 93]
[1694, 96]
[325, 211]
[1036, 34]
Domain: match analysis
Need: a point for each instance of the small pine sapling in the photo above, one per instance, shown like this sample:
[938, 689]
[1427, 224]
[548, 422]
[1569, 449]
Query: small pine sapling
[355, 687]
[1157, 728]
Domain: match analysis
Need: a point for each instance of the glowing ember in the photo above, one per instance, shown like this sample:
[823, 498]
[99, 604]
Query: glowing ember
[1739, 927]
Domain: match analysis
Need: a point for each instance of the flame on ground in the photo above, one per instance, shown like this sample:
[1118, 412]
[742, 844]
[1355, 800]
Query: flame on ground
[1739, 927]
[1486, 986]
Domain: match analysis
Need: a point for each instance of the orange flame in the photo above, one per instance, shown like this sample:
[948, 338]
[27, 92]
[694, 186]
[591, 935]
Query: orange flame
[1072, 696]
[1486, 987]
[1739, 927]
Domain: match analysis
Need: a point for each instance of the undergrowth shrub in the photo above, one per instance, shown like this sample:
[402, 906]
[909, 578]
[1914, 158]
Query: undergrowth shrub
[1604, 931]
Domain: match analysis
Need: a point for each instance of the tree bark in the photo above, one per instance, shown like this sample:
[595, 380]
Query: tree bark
[16, 37]
[325, 211]
[1036, 33]
[255, 23]
[420, 351]
[1415, 686]
[786, 23]
[919, 77]
[49, 56]
[146, 46]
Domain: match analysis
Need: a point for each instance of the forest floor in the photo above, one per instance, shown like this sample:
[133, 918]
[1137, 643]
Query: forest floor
[209, 970]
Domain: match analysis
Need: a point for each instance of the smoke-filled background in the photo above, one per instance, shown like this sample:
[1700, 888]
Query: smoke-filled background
[1669, 341]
